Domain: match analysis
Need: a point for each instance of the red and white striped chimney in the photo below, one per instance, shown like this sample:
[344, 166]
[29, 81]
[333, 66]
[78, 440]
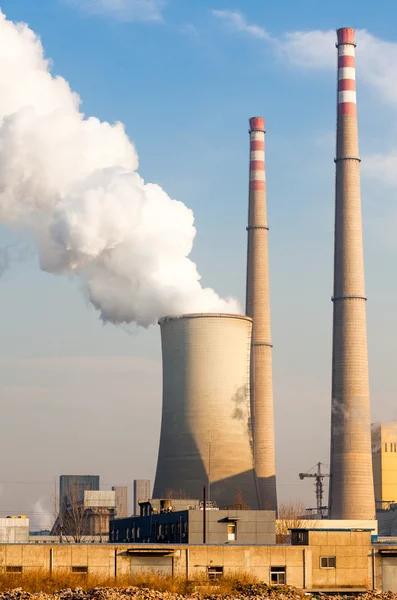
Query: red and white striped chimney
[258, 307]
[351, 486]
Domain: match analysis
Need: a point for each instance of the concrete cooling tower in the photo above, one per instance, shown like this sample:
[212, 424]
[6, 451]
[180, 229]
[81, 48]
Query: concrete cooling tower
[205, 430]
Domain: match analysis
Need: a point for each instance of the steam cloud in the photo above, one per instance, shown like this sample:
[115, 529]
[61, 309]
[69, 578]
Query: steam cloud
[72, 183]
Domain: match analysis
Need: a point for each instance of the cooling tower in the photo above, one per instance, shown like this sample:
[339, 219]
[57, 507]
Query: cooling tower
[205, 433]
[351, 485]
[258, 307]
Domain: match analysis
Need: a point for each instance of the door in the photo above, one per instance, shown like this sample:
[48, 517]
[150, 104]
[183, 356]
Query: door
[389, 574]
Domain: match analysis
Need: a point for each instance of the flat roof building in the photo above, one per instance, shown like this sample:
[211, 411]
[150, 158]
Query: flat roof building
[384, 463]
[141, 493]
[121, 500]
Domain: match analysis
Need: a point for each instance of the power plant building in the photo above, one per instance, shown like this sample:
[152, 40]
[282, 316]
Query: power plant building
[121, 500]
[351, 484]
[141, 493]
[258, 307]
[72, 488]
[205, 430]
[384, 463]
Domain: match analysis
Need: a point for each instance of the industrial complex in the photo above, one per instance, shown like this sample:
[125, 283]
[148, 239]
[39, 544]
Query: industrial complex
[213, 508]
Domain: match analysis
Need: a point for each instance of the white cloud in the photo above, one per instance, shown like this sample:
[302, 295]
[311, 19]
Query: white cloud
[315, 51]
[376, 59]
[235, 21]
[124, 10]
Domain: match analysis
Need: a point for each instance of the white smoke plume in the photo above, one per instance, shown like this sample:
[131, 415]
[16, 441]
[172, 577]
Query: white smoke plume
[71, 181]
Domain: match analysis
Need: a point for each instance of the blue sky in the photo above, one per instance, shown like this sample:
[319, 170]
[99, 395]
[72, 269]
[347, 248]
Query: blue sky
[185, 77]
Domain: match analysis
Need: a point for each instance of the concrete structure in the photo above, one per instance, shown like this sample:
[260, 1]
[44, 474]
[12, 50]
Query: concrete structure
[351, 493]
[72, 487]
[85, 513]
[384, 464]
[258, 307]
[387, 522]
[14, 530]
[187, 527]
[326, 561]
[141, 493]
[100, 499]
[157, 506]
[205, 428]
[121, 500]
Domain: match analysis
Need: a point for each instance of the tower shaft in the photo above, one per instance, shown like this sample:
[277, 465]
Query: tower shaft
[258, 307]
[351, 484]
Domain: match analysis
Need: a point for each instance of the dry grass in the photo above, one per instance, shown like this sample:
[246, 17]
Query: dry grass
[40, 581]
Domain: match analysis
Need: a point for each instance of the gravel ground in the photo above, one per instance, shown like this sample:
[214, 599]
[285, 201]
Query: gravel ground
[247, 592]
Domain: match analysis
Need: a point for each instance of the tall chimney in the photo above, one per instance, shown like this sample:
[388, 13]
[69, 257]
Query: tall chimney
[258, 307]
[351, 487]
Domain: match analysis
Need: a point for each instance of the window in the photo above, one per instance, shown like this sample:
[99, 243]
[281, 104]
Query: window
[278, 575]
[300, 537]
[395, 447]
[327, 562]
[215, 572]
[14, 569]
[391, 447]
[231, 532]
[79, 569]
[138, 532]
[385, 446]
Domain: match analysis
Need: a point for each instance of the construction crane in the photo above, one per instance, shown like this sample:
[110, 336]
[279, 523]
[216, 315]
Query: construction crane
[319, 476]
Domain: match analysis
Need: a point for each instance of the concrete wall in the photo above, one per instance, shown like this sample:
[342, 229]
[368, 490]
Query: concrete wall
[14, 530]
[353, 558]
[340, 524]
[352, 552]
[252, 526]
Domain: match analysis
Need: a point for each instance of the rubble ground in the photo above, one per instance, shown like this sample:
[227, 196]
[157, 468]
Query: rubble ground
[251, 591]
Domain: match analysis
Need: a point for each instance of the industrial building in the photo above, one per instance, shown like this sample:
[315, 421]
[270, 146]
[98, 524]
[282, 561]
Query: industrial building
[205, 428]
[121, 492]
[351, 494]
[14, 530]
[258, 307]
[72, 487]
[384, 464]
[340, 561]
[85, 513]
[141, 489]
[185, 522]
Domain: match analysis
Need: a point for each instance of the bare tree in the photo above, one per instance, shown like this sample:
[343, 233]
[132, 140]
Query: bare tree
[240, 502]
[172, 494]
[71, 520]
[290, 516]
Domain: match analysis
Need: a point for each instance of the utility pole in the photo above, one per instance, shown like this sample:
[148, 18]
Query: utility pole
[204, 515]
[319, 476]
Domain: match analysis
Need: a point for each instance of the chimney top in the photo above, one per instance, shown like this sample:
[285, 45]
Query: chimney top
[257, 124]
[346, 35]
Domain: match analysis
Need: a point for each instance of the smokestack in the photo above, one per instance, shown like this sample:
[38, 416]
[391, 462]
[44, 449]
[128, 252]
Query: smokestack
[351, 485]
[258, 308]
